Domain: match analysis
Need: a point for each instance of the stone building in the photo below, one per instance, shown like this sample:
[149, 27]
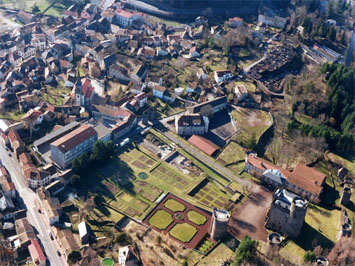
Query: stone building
[305, 181]
[212, 106]
[287, 213]
[71, 145]
[346, 196]
[191, 124]
[219, 224]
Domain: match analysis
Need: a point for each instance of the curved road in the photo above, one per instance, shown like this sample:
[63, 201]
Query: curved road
[30, 198]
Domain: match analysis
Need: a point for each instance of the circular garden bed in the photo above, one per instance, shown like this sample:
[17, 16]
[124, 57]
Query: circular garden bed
[107, 262]
[161, 219]
[143, 175]
[183, 232]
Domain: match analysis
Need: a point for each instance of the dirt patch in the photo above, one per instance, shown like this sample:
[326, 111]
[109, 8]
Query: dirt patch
[249, 218]
[139, 165]
[111, 187]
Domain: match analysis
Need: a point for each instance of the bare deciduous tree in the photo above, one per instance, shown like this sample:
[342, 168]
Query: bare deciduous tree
[343, 253]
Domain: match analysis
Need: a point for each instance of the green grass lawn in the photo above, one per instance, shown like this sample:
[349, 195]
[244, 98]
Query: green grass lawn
[174, 206]
[161, 219]
[348, 164]
[248, 85]
[237, 167]
[14, 115]
[292, 252]
[167, 109]
[233, 152]
[196, 217]
[325, 221]
[252, 122]
[183, 232]
[108, 262]
[56, 10]
[217, 256]
[236, 186]
[54, 95]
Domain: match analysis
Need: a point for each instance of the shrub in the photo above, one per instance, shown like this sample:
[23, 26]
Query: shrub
[121, 238]
[74, 256]
[75, 181]
[309, 256]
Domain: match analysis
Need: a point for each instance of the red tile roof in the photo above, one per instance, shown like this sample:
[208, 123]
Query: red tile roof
[87, 88]
[3, 171]
[203, 144]
[16, 142]
[307, 178]
[302, 176]
[25, 158]
[124, 13]
[36, 252]
[31, 115]
[74, 138]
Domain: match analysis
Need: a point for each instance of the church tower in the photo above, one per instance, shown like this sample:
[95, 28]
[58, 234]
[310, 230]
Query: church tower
[78, 90]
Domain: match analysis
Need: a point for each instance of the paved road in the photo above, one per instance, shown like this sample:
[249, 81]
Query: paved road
[206, 159]
[30, 198]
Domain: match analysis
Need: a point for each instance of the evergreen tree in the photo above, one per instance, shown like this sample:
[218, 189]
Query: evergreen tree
[246, 251]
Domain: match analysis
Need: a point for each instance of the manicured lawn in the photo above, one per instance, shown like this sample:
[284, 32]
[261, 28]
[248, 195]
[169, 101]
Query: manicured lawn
[161, 219]
[174, 206]
[183, 232]
[233, 152]
[108, 262]
[196, 217]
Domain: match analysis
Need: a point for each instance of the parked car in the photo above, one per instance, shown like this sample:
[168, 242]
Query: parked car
[39, 210]
[50, 235]
[59, 254]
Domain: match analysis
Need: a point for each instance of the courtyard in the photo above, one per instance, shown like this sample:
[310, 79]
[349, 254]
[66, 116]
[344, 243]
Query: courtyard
[249, 217]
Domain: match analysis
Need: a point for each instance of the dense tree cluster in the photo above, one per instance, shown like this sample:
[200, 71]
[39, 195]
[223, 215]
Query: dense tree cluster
[101, 152]
[343, 253]
[339, 129]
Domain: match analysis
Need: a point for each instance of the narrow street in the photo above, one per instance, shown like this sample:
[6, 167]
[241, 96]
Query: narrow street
[29, 197]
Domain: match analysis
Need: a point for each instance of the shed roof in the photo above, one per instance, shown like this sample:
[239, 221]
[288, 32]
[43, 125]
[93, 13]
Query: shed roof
[203, 144]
